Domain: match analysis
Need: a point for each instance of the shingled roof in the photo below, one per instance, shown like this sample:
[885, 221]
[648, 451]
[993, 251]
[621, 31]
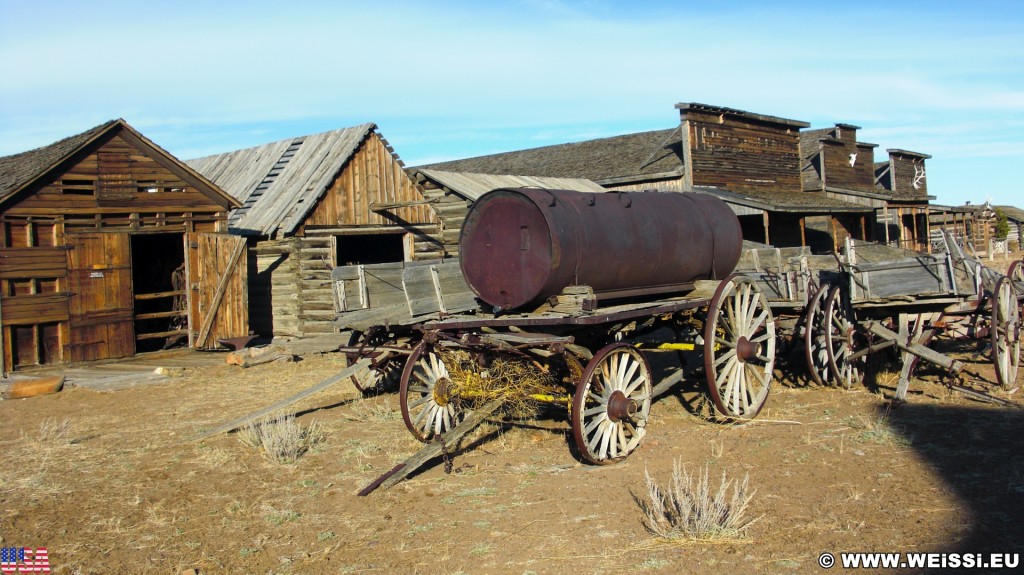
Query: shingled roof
[639, 156]
[279, 183]
[19, 171]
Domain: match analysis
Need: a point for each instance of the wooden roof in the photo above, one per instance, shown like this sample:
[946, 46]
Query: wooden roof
[640, 156]
[19, 171]
[471, 186]
[1013, 213]
[279, 183]
[782, 201]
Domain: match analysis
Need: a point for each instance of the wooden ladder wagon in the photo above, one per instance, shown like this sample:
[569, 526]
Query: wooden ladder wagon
[907, 299]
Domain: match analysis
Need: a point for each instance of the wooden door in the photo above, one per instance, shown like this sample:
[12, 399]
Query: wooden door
[101, 303]
[218, 288]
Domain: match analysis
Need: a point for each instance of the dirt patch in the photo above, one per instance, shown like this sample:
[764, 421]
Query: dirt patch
[119, 488]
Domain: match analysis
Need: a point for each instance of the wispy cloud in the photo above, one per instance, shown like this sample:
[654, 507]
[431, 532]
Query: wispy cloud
[457, 78]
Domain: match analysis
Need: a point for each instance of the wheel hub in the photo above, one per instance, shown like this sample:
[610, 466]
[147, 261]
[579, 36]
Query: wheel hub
[747, 350]
[621, 407]
[442, 391]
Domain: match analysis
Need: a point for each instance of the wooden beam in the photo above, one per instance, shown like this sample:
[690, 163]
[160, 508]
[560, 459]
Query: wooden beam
[222, 285]
[383, 207]
[344, 375]
[447, 441]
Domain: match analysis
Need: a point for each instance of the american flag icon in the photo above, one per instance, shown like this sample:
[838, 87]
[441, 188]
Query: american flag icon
[24, 560]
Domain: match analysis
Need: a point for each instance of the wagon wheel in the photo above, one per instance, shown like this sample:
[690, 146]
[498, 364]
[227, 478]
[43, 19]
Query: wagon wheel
[424, 394]
[739, 348]
[814, 338]
[1016, 275]
[841, 341]
[612, 404]
[384, 376]
[1006, 318]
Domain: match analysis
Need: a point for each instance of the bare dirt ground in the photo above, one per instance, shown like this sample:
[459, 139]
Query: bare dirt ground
[834, 471]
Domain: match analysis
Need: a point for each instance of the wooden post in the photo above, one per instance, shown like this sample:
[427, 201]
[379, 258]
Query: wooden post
[835, 233]
[803, 232]
[764, 216]
[914, 231]
[885, 222]
[928, 229]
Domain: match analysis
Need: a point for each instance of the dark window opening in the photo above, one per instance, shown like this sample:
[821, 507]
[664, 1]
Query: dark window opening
[161, 296]
[369, 249]
[78, 187]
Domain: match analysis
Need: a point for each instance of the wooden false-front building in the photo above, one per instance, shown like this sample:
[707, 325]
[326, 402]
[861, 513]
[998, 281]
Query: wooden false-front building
[315, 202]
[752, 161]
[903, 177]
[110, 246]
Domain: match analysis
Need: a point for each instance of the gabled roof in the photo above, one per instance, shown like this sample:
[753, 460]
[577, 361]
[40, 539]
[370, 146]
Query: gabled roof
[19, 171]
[640, 156]
[471, 186]
[279, 183]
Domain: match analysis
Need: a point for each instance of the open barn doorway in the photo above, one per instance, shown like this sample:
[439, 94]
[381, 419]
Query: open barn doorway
[160, 290]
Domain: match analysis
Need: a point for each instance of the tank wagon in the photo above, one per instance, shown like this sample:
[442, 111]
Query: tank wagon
[569, 292]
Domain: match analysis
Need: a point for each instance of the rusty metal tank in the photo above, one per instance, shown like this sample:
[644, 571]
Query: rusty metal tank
[521, 246]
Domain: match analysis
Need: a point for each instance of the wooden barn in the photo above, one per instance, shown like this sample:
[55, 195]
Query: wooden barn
[315, 202]
[750, 160]
[110, 247]
[451, 194]
[903, 177]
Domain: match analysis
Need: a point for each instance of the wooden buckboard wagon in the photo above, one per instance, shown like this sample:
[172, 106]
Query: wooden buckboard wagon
[841, 308]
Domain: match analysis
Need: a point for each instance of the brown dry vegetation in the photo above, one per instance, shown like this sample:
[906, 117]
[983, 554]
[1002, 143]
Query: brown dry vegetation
[120, 488]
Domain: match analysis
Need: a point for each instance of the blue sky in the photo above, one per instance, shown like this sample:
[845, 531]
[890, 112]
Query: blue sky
[452, 79]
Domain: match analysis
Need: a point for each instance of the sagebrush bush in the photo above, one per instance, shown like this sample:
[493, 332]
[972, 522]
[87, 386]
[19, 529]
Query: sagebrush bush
[281, 439]
[686, 507]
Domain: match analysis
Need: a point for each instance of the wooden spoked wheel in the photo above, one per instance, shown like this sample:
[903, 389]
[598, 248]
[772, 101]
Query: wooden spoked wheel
[384, 375]
[1006, 318]
[739, 348]
[841, 341]
[814, 338]
[612, 404]
[424, 394]
[1016, 275]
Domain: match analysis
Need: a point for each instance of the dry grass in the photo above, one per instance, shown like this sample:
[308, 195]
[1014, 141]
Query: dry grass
[687, 509]
[281, 439]
[54, 432]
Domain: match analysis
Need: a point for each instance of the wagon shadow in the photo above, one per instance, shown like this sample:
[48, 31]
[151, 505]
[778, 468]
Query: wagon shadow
[977, 452]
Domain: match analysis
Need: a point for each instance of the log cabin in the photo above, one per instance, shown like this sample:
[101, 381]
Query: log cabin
[111, 246]
[752, 161]
[312, 203]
